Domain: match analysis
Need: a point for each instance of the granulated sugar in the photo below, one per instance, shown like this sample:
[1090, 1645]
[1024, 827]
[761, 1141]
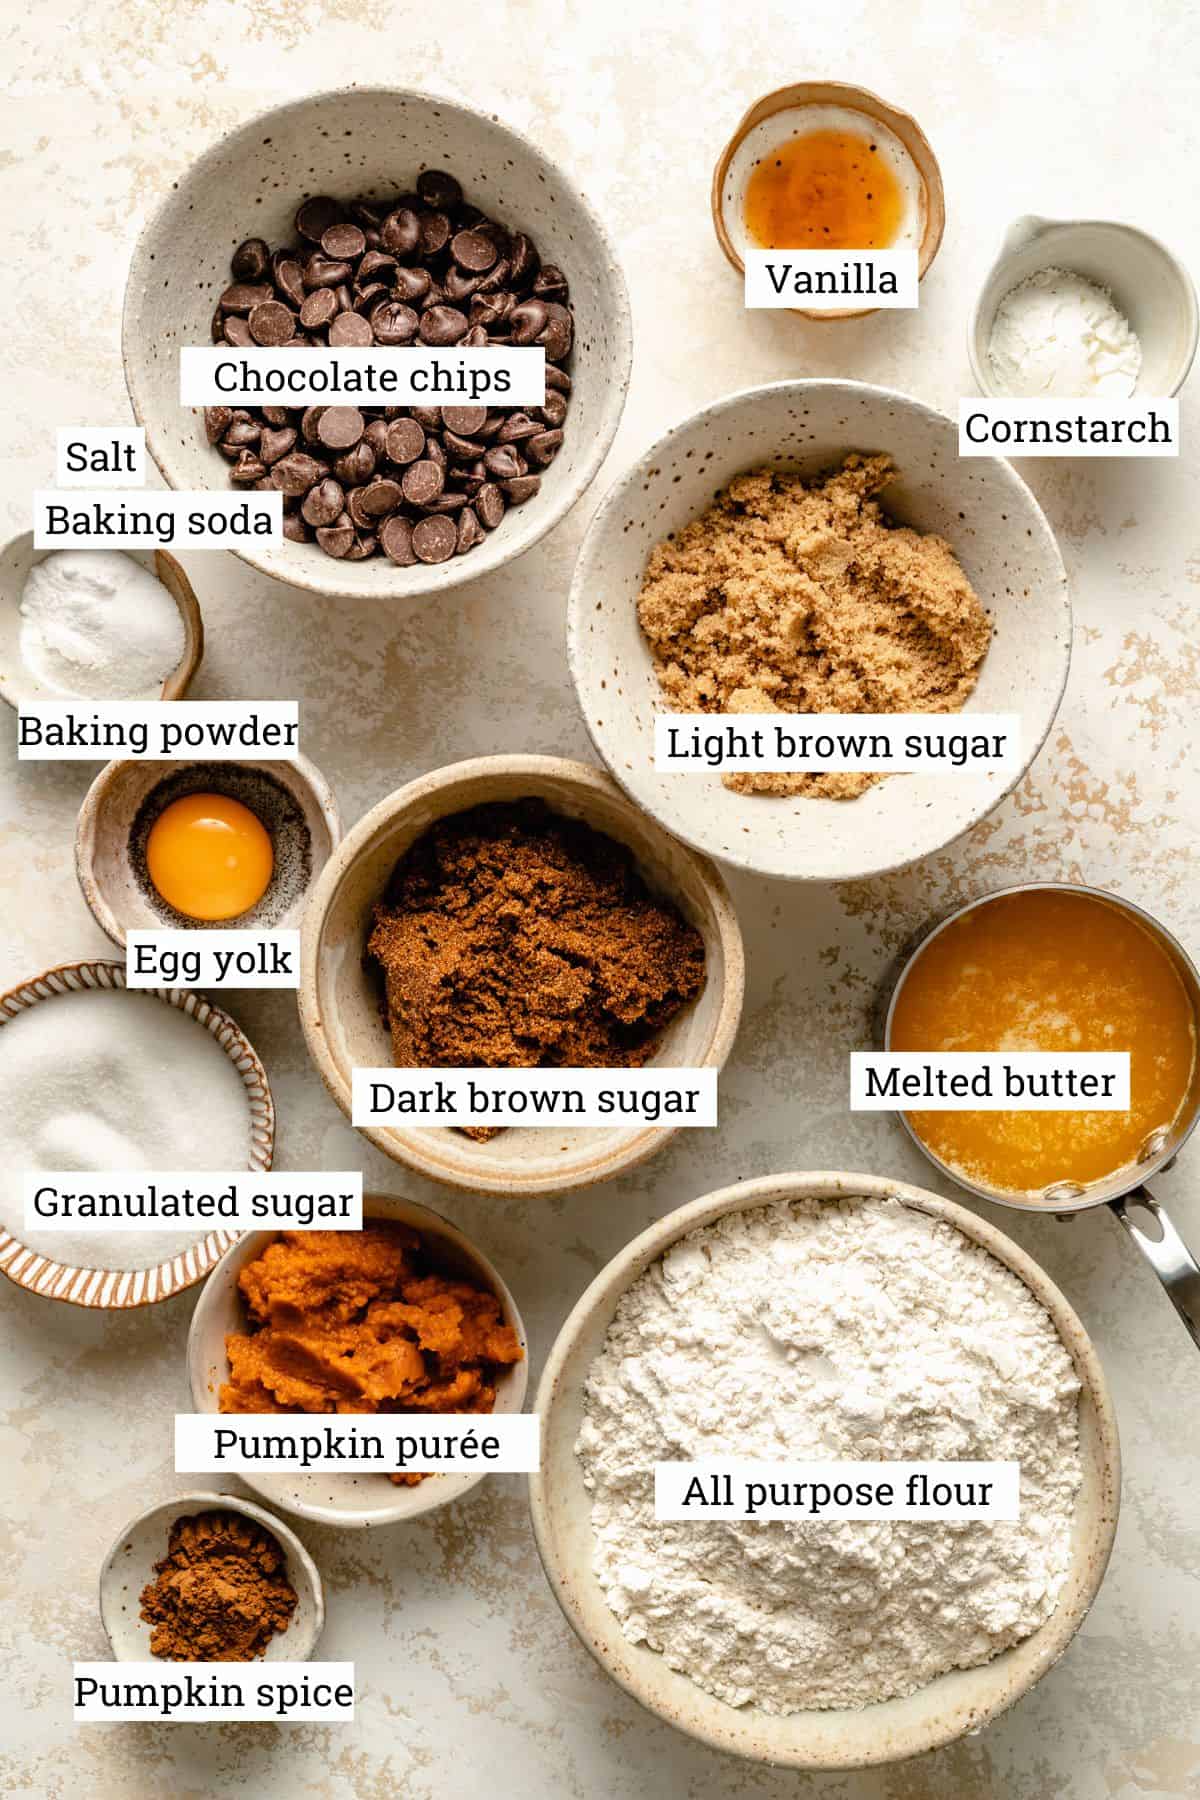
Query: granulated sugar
[113, 1080]
[829, 1331]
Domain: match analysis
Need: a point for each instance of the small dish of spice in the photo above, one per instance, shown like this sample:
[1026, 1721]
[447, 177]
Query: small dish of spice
[517, 912]
[406, 1315]
[821, 165]
[209, 1577]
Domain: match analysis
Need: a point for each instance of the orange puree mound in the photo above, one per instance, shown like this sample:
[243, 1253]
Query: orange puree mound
[356, 1322]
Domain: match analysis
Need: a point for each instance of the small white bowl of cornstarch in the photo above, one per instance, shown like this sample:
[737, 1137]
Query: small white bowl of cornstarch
[824, 1317]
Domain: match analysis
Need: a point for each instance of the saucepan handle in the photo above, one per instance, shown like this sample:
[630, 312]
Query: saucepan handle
[1167, 1255]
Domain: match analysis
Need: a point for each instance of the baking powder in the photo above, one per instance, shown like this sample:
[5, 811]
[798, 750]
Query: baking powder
[822, 1331]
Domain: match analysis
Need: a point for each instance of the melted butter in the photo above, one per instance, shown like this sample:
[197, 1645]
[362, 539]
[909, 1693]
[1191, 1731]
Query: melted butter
[827, 189]
[1048, 970]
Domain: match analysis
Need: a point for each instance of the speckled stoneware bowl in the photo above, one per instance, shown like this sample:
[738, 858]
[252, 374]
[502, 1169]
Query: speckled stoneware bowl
[129, 1565]
[293, 800]
[980, 504]
[1146, 280]
[779, 115]
[351, 1501]
[340, 998]
[954, 1704]
[116, 1289]
[19, 686]
[353, 143]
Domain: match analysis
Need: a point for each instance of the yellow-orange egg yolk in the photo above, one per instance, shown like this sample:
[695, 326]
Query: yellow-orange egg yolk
[209, 856]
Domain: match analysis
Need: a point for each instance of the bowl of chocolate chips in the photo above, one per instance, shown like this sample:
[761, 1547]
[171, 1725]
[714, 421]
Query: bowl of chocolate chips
[382, 217]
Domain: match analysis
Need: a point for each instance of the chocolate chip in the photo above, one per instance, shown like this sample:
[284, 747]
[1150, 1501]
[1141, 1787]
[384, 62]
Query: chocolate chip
[470, 532]
[380, 497]
[272, 323]
[434, 539]
[523, 260]
[405, 441]
[451, 501]
[394, 323]
[294, 529]
[558, 379]
[354, 506]
[528, 321]
[216, 422]
[435, 233]
[460, 449]
[320, 271]
[544, 447]
[559, 333]
[413, 284]
[422, 482]
[296, 473]
[554, 411]
[550, 283]
[357, 466]
[324, 503]
[376, 435]
[241, 296]
[473, 251]
[237, 332]
[251, 260]
[349, 328]
[247, 469]
[318, 308]
[428, 417]
[343, 242]
[439, 189]
[517, 427]
[465, 420]
[362, 547]
[401, 231]
[289, 279]
[395, 536]
[275, 443]
[316, 216]
[243, 433]
[336, 539]
[443, 325]
[521, 488]
[502, 462]
[340, 427]
[376, 265]
[489, 505]
[309, 422]
[275, 415]
[344, 295]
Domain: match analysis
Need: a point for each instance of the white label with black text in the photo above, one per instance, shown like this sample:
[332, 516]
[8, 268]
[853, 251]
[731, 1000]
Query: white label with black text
[157, 730]
[212, 959]
[195, 520]
[989, 1081]
[97, 456]
[410, 375]
[357, 1444]
[180, 1693]
[163, 1200]
[736, 1488]
[1038, 427]
[831, 280]
[547, 1097]
[859, 743]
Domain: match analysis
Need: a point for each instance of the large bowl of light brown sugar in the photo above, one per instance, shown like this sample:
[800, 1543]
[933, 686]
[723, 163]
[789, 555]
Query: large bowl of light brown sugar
[817, 548]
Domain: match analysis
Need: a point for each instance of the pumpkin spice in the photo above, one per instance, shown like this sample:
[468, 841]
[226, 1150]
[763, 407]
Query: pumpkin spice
[221, 1593]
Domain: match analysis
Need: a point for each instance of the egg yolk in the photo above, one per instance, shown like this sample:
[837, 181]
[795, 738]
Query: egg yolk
[209, 856]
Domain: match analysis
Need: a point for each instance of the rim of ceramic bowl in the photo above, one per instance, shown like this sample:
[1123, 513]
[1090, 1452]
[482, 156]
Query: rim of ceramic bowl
[87, 825]
[616, 502]
[114, 1290]
[418, 1150]
[299, 1559]
[853, 98]
[169, 573]
[436, 1491]
[619, 364]
[747, 1732]
[1040, 225]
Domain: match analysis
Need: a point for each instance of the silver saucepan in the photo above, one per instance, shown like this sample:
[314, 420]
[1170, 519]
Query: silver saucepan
[1125, 1191]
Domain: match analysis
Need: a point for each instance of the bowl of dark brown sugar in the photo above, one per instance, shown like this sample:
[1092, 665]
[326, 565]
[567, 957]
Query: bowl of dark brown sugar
[389, 220]
[517, 912]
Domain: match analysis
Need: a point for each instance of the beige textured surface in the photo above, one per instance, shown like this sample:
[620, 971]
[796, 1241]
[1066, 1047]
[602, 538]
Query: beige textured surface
[469, 1681]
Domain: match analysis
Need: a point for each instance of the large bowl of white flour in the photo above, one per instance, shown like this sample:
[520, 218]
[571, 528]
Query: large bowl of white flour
[824, 1318]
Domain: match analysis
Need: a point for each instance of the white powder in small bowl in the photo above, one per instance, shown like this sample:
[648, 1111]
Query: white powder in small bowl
[113, 1080]
[97, 625]
[1060, 335]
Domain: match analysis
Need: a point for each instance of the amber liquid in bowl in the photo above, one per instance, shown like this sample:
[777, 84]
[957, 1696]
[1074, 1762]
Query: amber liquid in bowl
[824, 190]
[1049, 970]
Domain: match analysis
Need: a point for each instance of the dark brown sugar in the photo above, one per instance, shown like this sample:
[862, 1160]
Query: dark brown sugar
[513, 937]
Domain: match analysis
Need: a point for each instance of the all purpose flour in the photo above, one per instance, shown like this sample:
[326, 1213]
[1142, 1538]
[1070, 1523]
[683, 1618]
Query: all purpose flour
[856, 1330]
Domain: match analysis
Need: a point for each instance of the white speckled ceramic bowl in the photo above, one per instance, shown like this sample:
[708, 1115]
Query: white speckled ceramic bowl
[980, 504]
[115, 1289]
[1148, 283]
[351, 143]
[19, 686]
[340, 998]
[352, 1501]
[296, 796]
[129, 1565]
[956, 1703]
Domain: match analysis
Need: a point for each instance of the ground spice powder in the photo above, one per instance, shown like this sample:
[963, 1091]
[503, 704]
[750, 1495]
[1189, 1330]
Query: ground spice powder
[221, 1592]
[512, 937]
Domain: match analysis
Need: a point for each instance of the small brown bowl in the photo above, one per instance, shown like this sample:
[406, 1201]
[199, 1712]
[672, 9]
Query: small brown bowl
[20, 687]
[293, 799]
[855, 99]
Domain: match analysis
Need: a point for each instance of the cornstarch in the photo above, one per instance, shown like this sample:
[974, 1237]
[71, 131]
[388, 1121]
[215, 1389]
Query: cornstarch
[863, 1330]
